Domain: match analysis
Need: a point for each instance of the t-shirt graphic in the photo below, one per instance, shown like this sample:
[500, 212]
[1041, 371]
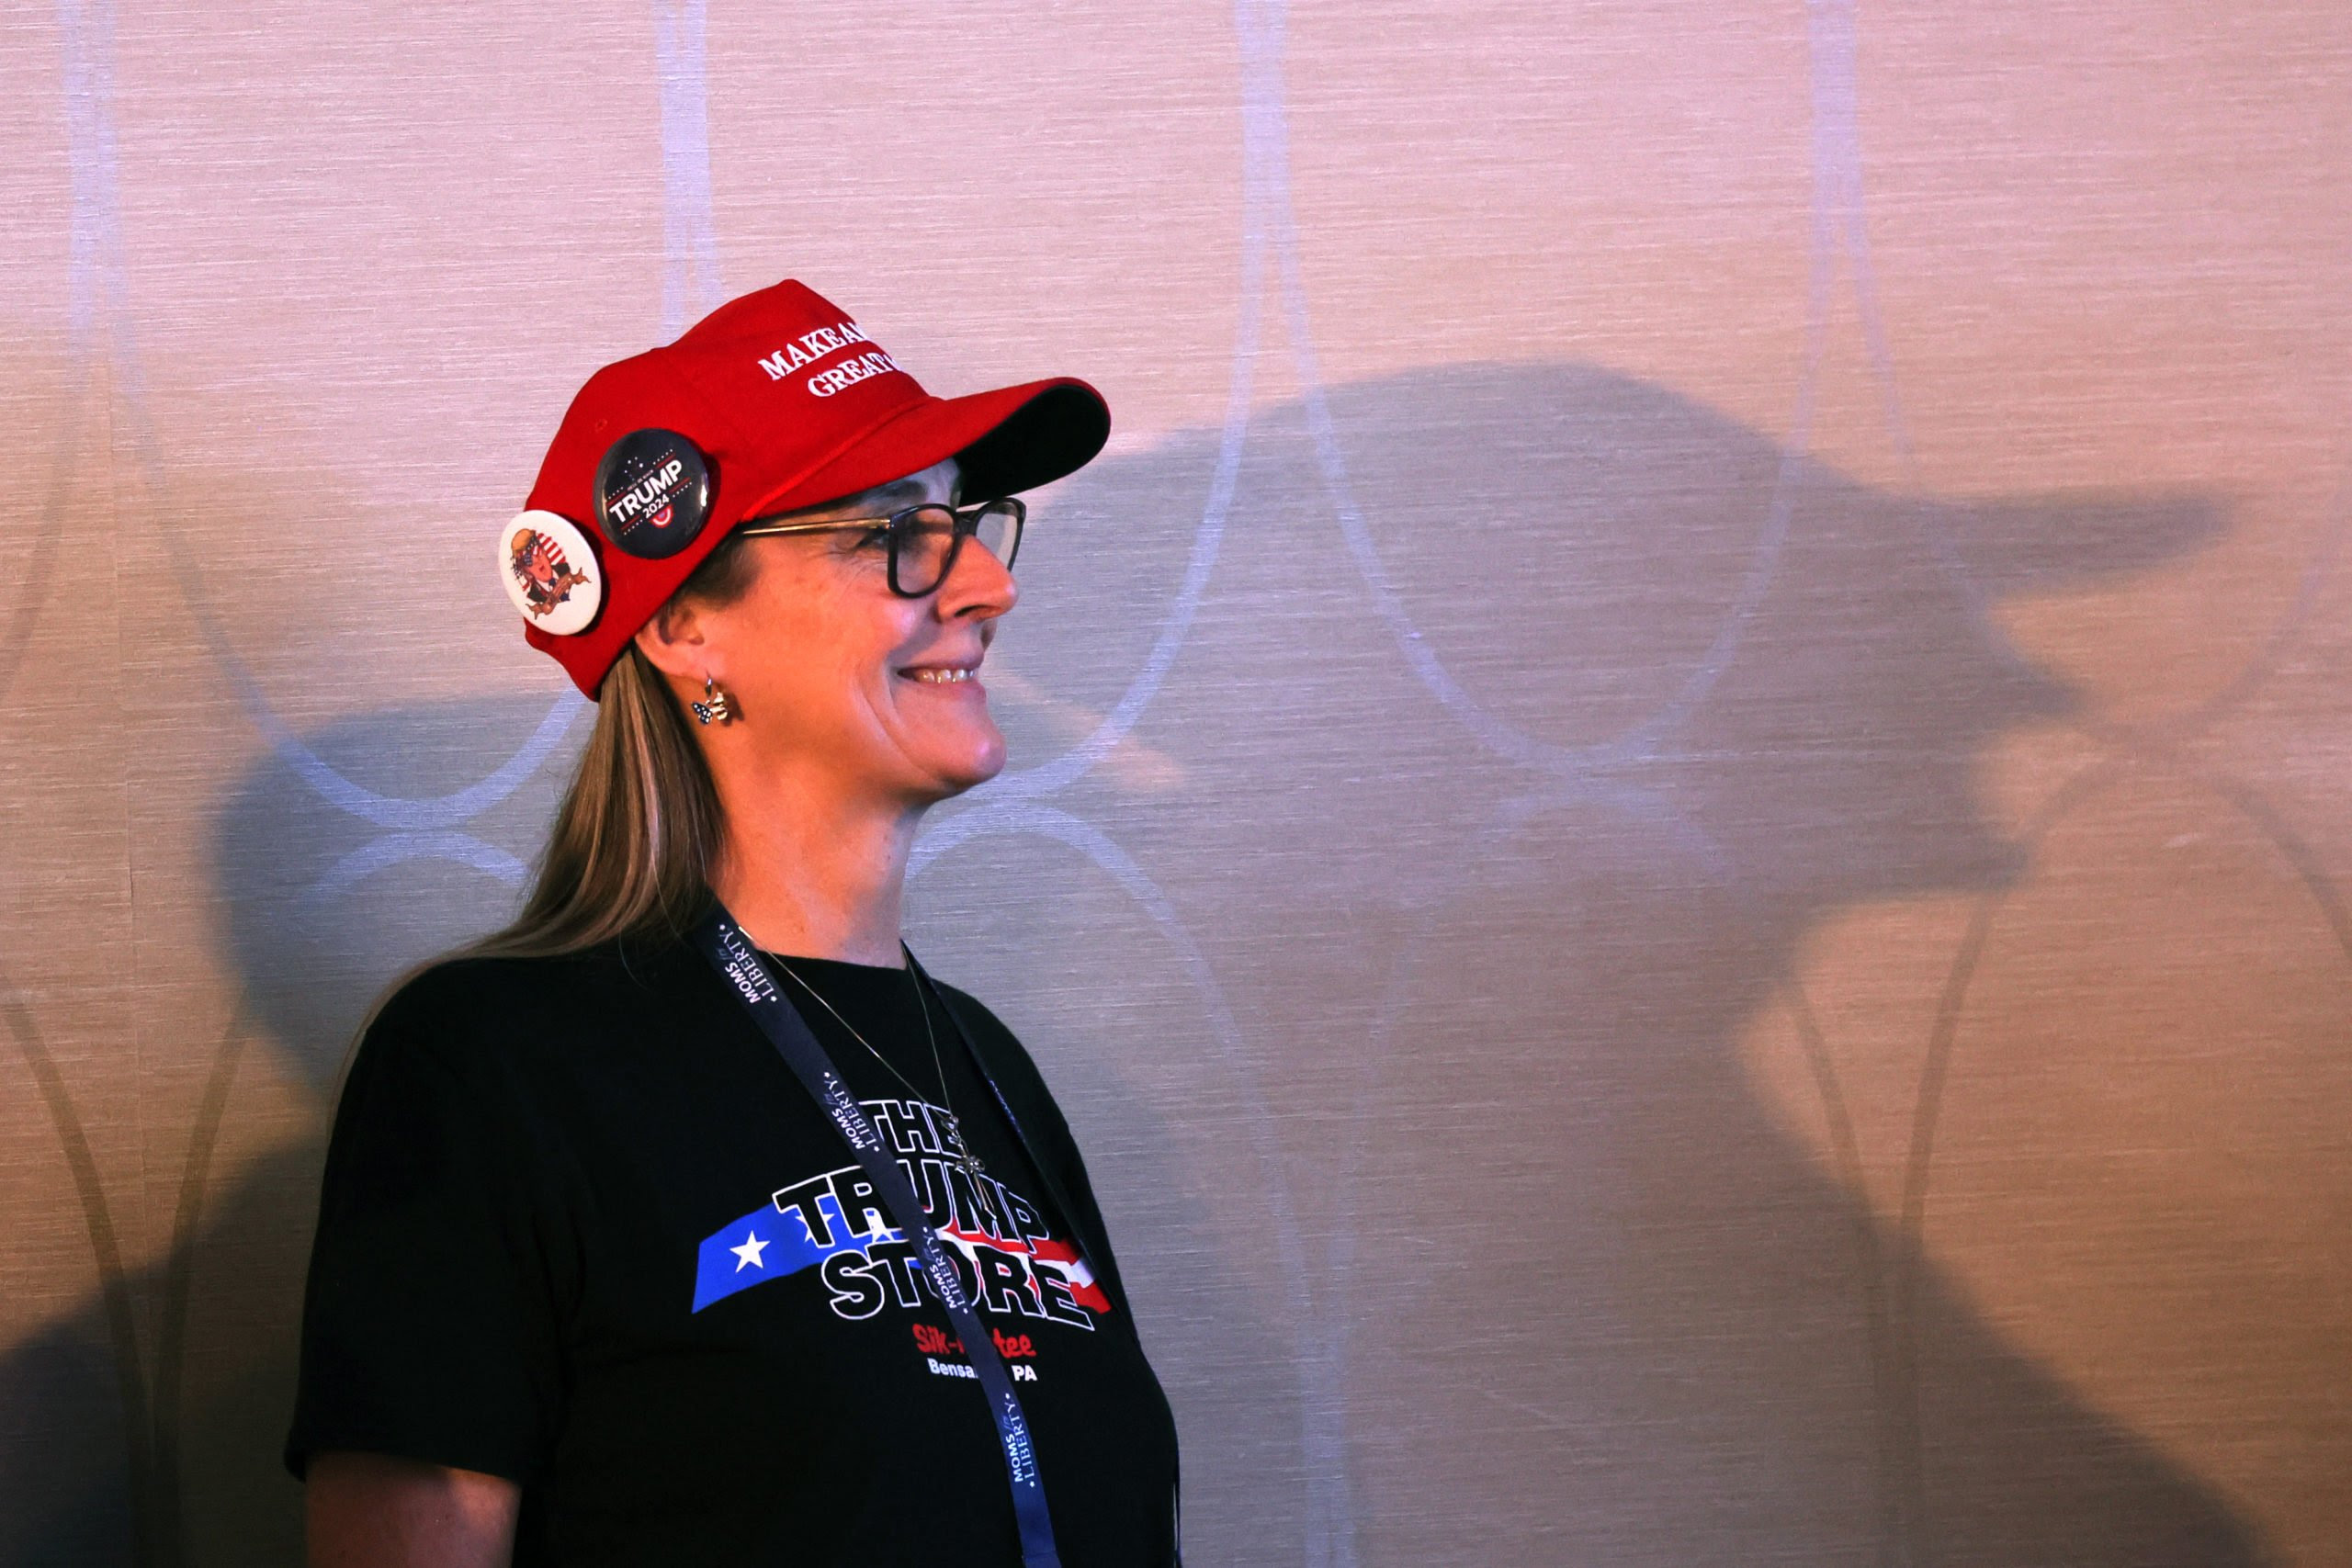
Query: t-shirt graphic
[1012, 1263]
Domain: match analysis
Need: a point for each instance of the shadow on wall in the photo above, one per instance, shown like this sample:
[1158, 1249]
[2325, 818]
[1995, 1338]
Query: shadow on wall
[1571, 1296]
[321, 909]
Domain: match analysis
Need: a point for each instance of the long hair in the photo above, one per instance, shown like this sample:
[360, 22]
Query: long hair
[634, 843]
[630, 853]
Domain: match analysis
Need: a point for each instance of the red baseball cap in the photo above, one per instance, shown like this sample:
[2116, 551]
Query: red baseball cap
[774, 400]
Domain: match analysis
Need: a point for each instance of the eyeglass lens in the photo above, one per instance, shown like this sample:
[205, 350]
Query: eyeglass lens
[924, 543]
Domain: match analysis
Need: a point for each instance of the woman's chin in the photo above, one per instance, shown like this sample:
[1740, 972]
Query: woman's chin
[968, 766]
[981, 769]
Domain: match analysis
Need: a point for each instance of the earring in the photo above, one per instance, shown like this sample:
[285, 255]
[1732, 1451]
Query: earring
[713, 708]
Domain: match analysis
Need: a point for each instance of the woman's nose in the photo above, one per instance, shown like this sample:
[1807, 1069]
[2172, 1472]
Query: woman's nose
[977, 584]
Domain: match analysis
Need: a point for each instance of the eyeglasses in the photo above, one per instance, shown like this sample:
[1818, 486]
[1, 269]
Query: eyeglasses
[924, 540]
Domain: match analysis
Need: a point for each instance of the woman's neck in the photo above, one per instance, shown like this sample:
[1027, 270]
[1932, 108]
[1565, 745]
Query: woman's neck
[805, 872]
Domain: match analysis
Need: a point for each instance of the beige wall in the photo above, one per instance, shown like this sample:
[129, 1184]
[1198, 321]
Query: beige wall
[1678, 813]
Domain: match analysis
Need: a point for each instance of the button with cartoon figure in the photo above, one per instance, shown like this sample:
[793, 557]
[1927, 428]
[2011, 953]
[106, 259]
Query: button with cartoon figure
[549, 569]
[652, 493]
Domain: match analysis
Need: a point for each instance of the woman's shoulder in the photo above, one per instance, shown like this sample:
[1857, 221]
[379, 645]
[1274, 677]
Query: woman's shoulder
[462, 983]
[981, 1021]
[477, 1040]
[1000, 1050]
[507, 1002]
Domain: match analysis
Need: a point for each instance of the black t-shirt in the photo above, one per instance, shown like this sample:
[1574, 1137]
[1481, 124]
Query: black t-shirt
[582, 1228]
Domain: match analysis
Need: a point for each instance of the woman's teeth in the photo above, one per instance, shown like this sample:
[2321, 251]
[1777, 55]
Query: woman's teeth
[941, 677]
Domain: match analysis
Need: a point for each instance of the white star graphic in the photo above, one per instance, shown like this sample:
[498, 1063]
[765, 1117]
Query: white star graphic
[748, 1253]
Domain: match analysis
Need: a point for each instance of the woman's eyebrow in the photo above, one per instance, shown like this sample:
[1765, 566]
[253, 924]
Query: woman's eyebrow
[886, 498]
[863, 504]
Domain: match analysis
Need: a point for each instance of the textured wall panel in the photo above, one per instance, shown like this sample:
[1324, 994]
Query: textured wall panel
[1676, 816]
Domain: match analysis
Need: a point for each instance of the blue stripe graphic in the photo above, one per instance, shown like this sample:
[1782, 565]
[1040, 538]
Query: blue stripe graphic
[768, 1245]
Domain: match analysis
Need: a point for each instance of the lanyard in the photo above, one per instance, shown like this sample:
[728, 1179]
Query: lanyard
[731, 953]
[1054, 1195]
[1045, 1181]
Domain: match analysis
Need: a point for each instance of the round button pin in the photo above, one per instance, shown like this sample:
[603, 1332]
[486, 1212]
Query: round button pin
[652, 493]
[550, 573]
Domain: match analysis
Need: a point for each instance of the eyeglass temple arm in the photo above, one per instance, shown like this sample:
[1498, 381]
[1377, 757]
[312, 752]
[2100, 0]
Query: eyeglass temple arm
[961, 514]
[860, 522]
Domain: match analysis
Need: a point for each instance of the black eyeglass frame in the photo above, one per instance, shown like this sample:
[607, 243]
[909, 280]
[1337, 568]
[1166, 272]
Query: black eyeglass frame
[896, 527]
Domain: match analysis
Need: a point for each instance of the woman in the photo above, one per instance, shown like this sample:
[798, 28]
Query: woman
[686, 1220]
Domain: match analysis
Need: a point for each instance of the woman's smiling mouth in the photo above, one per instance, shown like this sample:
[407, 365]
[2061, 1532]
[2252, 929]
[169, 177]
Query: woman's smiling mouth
[943, 674]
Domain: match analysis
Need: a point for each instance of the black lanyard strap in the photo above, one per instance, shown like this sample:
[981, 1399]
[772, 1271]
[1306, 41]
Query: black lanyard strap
[1107, 1278]
[1046, 1181]
[731, 953]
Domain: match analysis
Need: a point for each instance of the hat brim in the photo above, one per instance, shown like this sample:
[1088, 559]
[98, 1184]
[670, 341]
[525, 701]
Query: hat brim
[1013, 439]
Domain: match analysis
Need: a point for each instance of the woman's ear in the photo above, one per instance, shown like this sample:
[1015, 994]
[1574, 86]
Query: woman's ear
[672, 641]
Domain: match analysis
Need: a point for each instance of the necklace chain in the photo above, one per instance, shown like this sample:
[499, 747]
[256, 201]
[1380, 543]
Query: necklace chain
[954, 1128]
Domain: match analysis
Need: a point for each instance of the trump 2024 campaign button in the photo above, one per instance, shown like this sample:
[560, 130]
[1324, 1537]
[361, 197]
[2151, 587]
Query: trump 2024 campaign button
[652, 493]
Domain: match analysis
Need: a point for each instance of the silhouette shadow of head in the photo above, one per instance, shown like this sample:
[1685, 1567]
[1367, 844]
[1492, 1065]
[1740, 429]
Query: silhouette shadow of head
[1535, 714]
[1493, 824]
